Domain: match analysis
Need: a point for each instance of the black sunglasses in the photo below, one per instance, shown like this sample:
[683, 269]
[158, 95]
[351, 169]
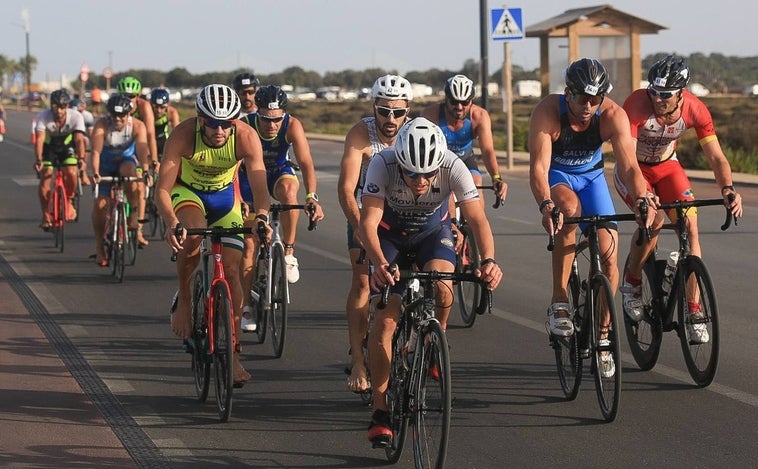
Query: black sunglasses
[455, 102]
[215, 123]
[271, 120]
[426, 176]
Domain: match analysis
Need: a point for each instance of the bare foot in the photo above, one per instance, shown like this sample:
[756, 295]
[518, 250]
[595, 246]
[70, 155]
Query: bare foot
[357, 381]
[181, 323]
[241, 376]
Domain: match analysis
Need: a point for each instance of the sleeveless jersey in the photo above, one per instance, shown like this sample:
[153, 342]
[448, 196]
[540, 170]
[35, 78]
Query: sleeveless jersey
[161, 127]
[209, 169]
[577, 152]
[276, 149]
[461, 141]
[119, 142]
[402, 210]
[656, 142]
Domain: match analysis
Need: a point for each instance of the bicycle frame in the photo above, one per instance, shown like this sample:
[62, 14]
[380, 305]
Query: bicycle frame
[212, 269]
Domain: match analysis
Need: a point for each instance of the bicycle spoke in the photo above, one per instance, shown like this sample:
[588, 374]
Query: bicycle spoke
[279, 299]
[567, 359]
[607, 355]
[201, 365]
[469, 293]
[645, 336]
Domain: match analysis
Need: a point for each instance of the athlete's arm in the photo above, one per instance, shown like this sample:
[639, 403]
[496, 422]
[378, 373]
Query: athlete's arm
[302, 151]
[356, 146]
[250, 151]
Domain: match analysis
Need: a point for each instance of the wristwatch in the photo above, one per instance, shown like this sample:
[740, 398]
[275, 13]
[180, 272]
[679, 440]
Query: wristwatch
[311, 195]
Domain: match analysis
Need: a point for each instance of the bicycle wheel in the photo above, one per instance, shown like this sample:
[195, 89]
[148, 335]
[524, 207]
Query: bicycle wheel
[397, 396]
[279, 300]
[431, 417]
[223, 353]
[117, 247]
[131, 247]
[261, 313]
[567, 358]
[59, 222]
[645, 337]
[699, 335]
[605, 347]
[201, 365]
[469, 293]
[151, 214]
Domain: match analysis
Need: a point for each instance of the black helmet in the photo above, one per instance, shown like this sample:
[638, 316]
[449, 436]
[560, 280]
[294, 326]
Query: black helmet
[60, 98]
[244, 80]
[75, 103]
[159, 96]
[271, 97]
[671, 72]
[119, 104]
[588, 76]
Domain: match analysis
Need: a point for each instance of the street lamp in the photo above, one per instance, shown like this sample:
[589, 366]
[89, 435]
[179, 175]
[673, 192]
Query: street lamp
[25, 17]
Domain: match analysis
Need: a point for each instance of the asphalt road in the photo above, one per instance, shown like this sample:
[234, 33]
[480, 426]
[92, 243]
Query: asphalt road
[296, 412]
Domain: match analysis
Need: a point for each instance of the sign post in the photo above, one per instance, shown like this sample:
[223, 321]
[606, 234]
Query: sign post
[83, 77]
[108, 74]
[507, 25]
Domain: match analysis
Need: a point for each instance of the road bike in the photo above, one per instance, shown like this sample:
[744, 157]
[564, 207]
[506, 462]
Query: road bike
[419, 389]
[214, 337]
[120, 242]
[690, 283]
[595, 336]
[468, 260]
[153, 222]
[270, 289]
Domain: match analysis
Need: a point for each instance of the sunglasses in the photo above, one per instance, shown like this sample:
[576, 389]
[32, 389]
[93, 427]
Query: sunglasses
[583, 99]
[246, 92]
[391, 112]
[455, 102]
[426, 176]
[271, 120]
[662, 94]
[215, 123]
[119, 115]
[130, 96]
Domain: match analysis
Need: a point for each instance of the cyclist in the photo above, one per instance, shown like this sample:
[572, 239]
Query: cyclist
[141, 109]
[166, 117]
[405, 212]
[246, 84]
[89, 123]
[462, 121]
[278, 132]
[658, 117]
[119, 148]
[392, 95]
[197, 187]
[59, 138]
[566, 133]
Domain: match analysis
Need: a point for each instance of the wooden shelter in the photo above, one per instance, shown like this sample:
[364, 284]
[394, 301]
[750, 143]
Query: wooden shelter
[599, 32]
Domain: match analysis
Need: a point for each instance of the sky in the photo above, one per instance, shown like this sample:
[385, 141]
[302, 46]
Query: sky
[268, 36]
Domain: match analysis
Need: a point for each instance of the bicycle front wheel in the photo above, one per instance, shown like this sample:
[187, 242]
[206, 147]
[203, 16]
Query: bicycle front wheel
[279, 300]
[117, 246]
[698, 331]
[223, 353]
[469, 293]
[567, 358]
[201, 366]
[397, 395]
[59, 223]
[431, 412]
[131, 247]
[645, 336]
[606, 350]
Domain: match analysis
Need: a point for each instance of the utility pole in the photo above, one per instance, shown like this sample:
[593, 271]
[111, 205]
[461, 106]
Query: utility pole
[25, 17]
[483, 37]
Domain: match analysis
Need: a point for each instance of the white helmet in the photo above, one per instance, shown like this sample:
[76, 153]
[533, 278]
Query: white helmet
[459, 88]
[392, 87]
[420, 146]
[218, 102]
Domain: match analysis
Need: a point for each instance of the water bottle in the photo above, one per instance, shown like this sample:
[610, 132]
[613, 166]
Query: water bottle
[668, 275]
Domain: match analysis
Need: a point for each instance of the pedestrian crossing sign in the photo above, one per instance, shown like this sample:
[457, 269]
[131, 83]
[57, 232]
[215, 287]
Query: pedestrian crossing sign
[507, 24]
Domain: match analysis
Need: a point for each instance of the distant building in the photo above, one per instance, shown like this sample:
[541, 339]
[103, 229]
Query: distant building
[751, 90]
[527, 89]
[698, 89]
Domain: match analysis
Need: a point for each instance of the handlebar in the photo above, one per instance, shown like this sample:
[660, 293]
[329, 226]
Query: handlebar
[310, 209]
[498, 200]
[554, 216]
[213, 231]
[681, 205]
[590, 219]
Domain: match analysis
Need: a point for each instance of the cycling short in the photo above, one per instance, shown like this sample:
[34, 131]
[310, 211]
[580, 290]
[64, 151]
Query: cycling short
[65, 156]
[592, 190]
[667, 180]
[434, 243]
[272, 177]
[472, 164]
[221, 208]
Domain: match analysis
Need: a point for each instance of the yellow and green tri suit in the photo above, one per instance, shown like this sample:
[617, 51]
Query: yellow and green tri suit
[207, 180]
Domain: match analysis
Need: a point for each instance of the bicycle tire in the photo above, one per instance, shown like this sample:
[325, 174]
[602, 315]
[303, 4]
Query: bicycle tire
[59, 222]
[608, 388]
[645, 336]
[397, 395]
[567, 358]
[261, 313]
[201, 365]
[469, 293]
[151, 214]
[431, 413]
[131, 247]
[117, 247]
[223, 353]
[701, 358]
[279, 300]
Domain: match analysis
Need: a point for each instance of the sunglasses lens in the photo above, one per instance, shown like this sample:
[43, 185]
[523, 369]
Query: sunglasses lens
[271, 119]
[213, 123]
[413, 175]
[396, 112]
[661, 94]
